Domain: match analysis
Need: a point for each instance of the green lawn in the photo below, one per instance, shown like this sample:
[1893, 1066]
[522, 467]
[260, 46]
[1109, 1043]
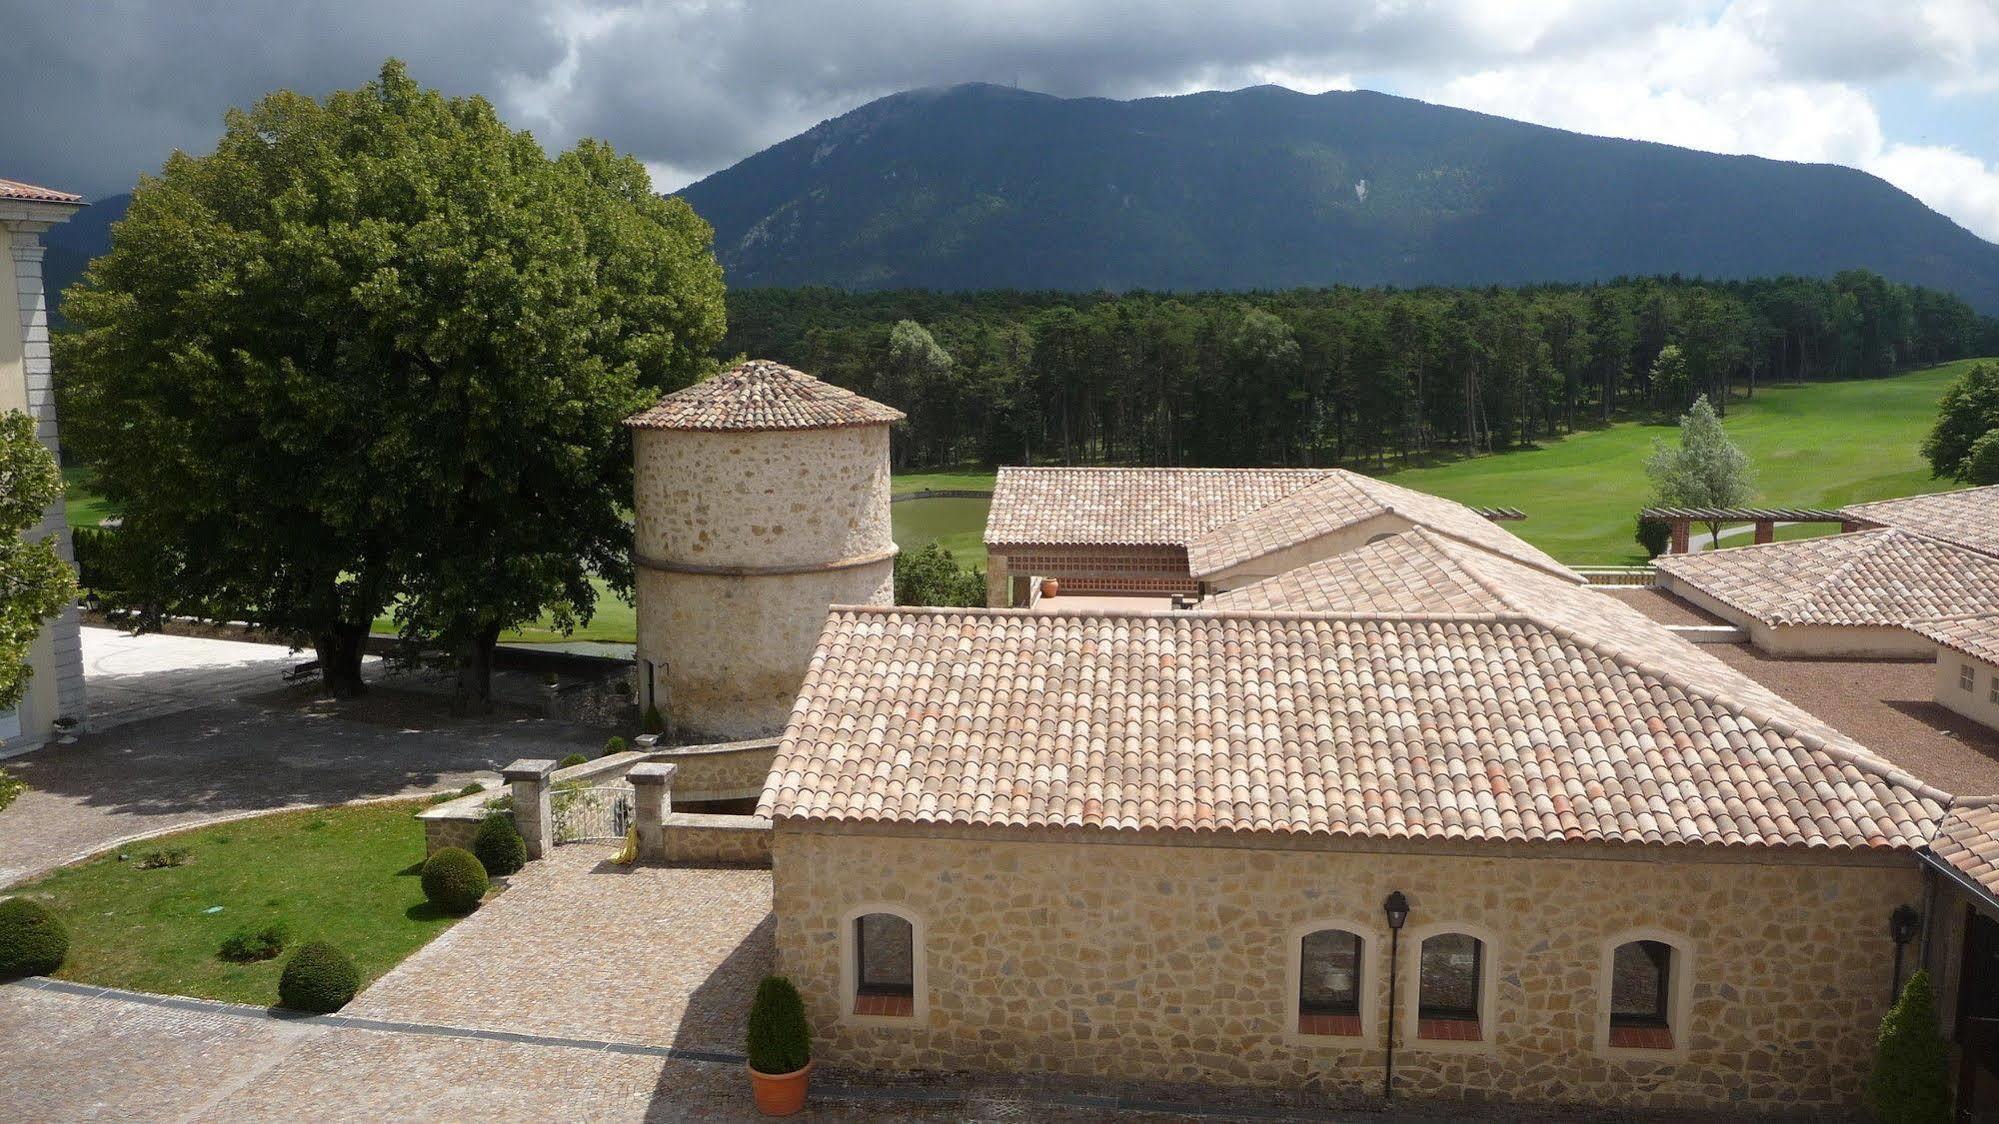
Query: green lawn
[971, 480]
[344, 875]
[1825, 444]
[83, 506]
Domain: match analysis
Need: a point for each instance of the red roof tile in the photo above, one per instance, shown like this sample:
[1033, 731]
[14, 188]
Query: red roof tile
[27, 192]
[760, 394]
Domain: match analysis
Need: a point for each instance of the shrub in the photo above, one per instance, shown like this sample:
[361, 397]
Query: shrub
[1910, 1083]
[655, 723]
[165, 857]
[614, 744]
[503, 803]
[780, 1041]
[454, 881]
[572, 759]
[319, 978]
[498, 845]
[245, 946]
[1654, 536]
[33, 941]
[472, 788]
[10, 787]
[441, 797]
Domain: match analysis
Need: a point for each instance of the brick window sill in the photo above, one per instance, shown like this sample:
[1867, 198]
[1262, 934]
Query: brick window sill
[1641, 1037]
[1329, 1026]
[1448, 1030]
[885, 1006]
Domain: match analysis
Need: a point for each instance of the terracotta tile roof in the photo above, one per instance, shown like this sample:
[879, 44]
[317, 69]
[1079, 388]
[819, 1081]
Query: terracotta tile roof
[1413, 572]
[27, 192]
[1343, 499]
[1222, 516]
[1422, 572]
[760, 394]
[1129, 506]
[1967, 518]
[1969, 842]
[1883, 577]
[1480, 727]
[1977, 637]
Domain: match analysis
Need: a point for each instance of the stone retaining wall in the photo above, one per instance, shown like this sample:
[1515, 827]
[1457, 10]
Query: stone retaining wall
[719, 770]
[694, 839]
[454, 822]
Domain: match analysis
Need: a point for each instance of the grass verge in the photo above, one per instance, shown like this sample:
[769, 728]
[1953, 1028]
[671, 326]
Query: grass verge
[348, 876]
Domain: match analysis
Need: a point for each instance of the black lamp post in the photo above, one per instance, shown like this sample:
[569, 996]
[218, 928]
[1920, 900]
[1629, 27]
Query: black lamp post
[1903, 925]
[1396, 907]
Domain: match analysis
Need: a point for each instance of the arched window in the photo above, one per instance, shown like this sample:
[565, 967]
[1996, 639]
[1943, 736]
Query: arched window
[884, 965]
[1329, 982]
[1450, 987]
[1646, 981]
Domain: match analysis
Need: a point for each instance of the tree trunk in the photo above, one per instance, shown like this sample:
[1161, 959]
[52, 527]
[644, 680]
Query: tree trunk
[339, 650]
[474, 691]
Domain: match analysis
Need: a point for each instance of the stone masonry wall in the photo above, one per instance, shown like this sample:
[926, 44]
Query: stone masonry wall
[721, 771]
[695, 839]
[1171, 963]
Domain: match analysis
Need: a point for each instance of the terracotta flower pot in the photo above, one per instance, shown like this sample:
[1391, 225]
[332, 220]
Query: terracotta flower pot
[780, 1094]
[1050, 587]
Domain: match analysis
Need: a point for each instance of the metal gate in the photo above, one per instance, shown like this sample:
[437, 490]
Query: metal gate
[583, 814]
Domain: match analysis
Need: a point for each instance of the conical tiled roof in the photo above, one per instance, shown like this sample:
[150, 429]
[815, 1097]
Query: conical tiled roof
[760, 394]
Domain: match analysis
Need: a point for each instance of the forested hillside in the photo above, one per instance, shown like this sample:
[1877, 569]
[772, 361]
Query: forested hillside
[983, 187]
[1365, 377]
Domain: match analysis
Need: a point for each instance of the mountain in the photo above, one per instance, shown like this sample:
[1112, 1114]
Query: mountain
[72, 244]
[983, 186]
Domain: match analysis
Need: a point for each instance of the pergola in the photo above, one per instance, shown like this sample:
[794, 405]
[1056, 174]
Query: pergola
[1680, 519]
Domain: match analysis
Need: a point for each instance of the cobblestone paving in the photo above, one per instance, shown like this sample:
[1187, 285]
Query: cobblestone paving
[579, 947]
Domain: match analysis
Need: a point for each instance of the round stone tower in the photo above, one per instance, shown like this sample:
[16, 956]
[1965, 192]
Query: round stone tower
[761, 497]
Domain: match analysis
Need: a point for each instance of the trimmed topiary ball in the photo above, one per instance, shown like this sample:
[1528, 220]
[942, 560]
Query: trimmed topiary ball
[33, 941]
[454, 881]
[319, 978]
[498, 845]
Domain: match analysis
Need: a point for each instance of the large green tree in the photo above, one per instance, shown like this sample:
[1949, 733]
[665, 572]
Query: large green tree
[1705, 469]
[35, 584]
[372, 353]
[1967, 414]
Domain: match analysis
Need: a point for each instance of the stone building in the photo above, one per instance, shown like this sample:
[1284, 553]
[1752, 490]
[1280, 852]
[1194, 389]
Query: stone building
[1161, 845]
[55, 690]
[761, 497]
[1194, 531]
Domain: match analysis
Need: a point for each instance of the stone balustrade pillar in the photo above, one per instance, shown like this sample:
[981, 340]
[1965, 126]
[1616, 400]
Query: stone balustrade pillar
[529, 779]
[652, 799]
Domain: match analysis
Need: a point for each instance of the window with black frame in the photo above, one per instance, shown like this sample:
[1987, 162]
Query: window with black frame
[1329, 983]
[1450, 977]
[884, 965]
[1641, 989]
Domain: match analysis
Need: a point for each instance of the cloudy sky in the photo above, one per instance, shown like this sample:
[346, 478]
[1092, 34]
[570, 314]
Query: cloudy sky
[101, 90]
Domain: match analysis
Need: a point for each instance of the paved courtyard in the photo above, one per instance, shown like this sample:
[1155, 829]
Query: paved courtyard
[243, 742]
[580, 947]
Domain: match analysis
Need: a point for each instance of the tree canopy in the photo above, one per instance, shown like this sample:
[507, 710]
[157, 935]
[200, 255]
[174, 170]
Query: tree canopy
[1964, 445]
[1336, 375]
[1705, 469]
[35, 584]
[929, 575]
[371, 355]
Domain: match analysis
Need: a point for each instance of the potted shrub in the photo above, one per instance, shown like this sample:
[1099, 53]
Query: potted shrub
[780, 1048]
